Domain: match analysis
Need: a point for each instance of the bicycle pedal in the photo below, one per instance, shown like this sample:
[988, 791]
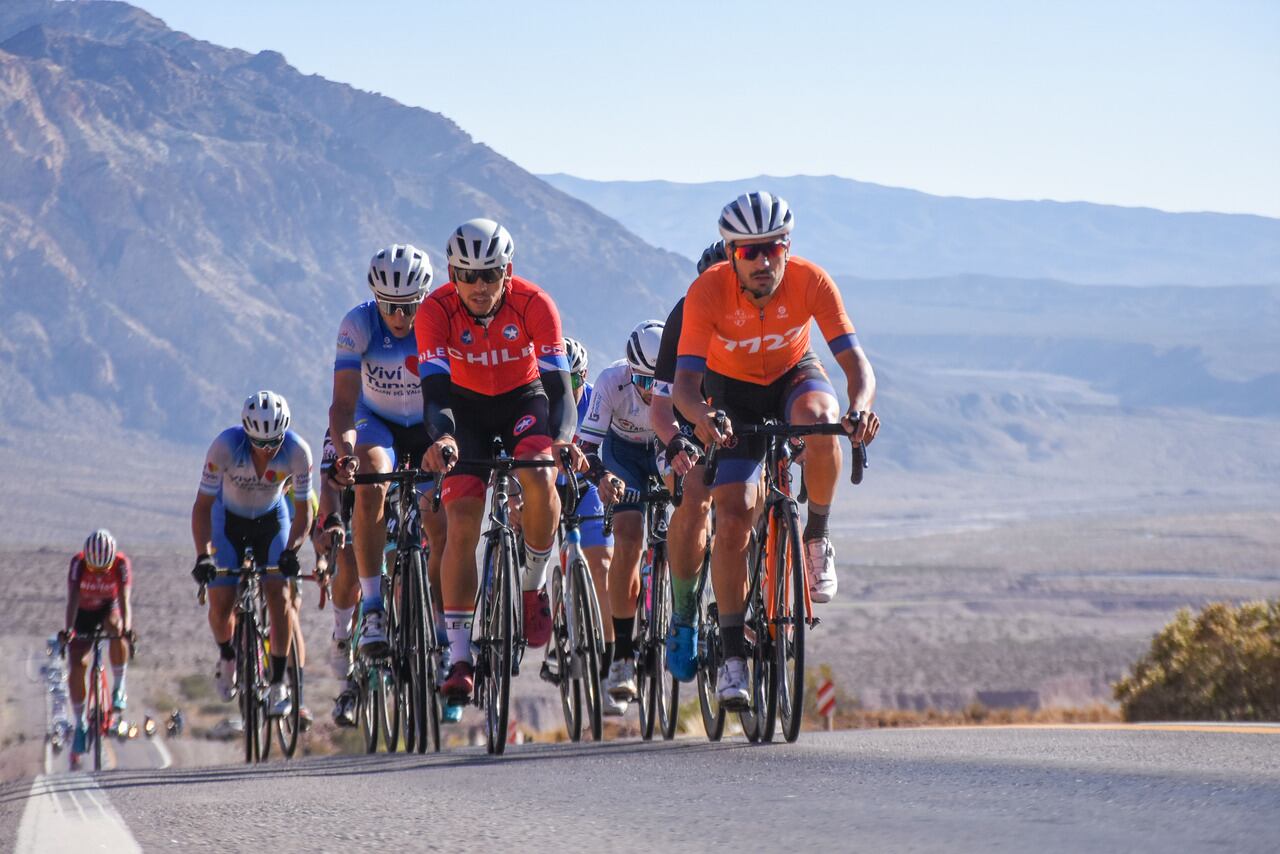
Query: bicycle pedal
[546, 674]
[813, 621]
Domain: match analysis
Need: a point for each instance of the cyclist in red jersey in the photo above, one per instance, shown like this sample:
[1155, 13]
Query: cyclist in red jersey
[98, 583]
[492, 361]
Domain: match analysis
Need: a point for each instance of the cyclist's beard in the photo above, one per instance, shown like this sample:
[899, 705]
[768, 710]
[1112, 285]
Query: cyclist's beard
[488, 315]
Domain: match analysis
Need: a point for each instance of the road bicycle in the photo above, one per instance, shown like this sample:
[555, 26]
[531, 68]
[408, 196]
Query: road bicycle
[100, 715]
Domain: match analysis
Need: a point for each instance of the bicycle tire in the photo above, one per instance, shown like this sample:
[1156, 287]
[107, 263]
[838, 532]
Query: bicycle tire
[499, 628]
[413, 653]
[590, 641]
[390, 665]
[646, 696]
[262, 672]
[563, 634]
[370, 706]
[428, 688]
[710, 654]
[288, 726]
[789, 620]
[667, 689]
[759, 721]
[97, 725]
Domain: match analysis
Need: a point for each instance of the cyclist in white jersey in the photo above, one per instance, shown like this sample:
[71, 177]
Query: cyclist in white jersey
[618, 424]
[375, 421]
[241, 507]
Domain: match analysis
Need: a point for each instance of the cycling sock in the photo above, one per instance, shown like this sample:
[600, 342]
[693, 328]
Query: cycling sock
[342, 622]
[278, 663]
[685, 604]
[735, 645]
[607, 660]
[226, 651]
[815, 527]
[371, 589]
[117, 673]
[535, 567]
[457, 624]
[623, 643]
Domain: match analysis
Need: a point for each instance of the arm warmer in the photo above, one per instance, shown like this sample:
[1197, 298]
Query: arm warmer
[437, 413]
[562, 411]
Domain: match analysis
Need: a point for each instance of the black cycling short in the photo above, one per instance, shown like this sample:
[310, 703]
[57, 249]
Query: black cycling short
[87, 622]
[519, 417]
[749, 403]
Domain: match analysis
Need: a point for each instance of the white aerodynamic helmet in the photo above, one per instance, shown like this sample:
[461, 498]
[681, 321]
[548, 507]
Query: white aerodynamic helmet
[265, 416]
[642, 347]
[577, 355]
[480, 244]
[100, 548]
[400, 273]
[754, 216]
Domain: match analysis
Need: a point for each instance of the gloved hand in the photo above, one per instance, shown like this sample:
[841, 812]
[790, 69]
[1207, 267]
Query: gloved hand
[205, 569]
[288, 563]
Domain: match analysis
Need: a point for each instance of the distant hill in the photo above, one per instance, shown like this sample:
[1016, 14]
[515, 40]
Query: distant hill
[181, 223]
[890, 233]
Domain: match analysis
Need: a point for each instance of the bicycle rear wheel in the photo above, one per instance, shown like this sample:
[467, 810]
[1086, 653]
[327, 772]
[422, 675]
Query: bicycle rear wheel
[590, 640]
[370, 705]
[789, 622]
[666, 686]
[646, 683]
[97, 719]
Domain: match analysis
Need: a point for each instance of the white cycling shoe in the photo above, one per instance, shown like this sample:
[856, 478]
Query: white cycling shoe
[340, 656]
[225, 674]
[613, 708]
[279, 701]
[820, 569]
[731, 685]
[620, 684]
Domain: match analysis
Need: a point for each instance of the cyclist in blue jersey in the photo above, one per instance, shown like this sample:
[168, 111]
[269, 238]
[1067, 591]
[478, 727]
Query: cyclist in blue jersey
[617, 423]
[375, 421]
[241, 506]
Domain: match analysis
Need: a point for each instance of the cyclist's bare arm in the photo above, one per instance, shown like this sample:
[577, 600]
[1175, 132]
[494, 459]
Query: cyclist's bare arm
[126, 611]
[662, 418]
[342, 418]
[861, 381]
[301, 525]
[687, 396]
[73, 605]
[202, 523]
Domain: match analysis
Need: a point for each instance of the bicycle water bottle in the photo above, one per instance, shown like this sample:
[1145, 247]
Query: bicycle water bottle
[646, 579]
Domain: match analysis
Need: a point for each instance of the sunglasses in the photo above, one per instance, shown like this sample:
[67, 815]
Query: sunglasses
[408, 309]
[752, 251]
[643, 383]
[577, 380]
[266, 443]
[490, 275]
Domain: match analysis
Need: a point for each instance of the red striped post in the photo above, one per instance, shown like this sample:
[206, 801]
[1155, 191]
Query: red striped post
[827, 702]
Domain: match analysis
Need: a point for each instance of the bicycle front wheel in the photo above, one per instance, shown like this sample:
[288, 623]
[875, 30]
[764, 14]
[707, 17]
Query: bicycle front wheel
[666, 686]
[288, 726]
[370, 705]
[789, 622]
[97, 717]
[710, 655]
[589, 642]
[563, 633]
[499, 628]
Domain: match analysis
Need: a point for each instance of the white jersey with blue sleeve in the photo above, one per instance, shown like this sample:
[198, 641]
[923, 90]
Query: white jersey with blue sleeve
[616, 406]
[229, 473]
[388, 366]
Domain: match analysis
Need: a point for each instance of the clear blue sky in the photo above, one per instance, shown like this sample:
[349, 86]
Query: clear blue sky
[1174, 105]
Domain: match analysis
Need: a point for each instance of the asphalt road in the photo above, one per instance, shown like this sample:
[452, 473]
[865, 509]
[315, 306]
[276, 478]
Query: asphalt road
[981, 789]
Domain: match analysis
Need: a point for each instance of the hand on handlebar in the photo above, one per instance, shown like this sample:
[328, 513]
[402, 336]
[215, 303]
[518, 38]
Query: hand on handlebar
[611, 489]
[344, 469]
[577, 459]
[713, 428]
[205, 569]
[861, 426]
[682, 455]
[436, 458]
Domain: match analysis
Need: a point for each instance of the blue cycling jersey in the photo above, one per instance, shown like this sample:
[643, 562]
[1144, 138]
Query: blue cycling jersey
[229, 473]
[389, 384]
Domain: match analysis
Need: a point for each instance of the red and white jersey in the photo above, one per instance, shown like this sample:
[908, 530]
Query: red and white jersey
[495, 355]
[99, 589]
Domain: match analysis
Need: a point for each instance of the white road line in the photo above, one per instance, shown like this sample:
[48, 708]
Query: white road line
[46, 826]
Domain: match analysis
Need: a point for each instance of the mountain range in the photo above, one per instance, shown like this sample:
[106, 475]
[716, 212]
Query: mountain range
[892, 233]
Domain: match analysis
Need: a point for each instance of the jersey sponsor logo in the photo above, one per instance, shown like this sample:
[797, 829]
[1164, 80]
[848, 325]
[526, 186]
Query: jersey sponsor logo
[466, 336]
[386, 343]
[211, 467]
[549, 350]
[272, 475]
[411, 362]
[782, 310]
[510, 332]
[764, 343]
[491, 358]
[739, 317]
[345, 341]
[525, 422]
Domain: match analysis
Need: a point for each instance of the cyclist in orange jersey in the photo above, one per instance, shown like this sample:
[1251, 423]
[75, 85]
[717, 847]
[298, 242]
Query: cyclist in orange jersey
[746, 339]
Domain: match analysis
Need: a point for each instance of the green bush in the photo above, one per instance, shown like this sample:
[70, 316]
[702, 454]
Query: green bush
[1220, 665]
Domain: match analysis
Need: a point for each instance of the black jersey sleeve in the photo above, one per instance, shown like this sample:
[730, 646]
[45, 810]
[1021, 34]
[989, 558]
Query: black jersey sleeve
[665, 372]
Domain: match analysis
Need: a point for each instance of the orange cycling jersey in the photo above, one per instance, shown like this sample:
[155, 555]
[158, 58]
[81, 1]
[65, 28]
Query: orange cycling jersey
[725, 333]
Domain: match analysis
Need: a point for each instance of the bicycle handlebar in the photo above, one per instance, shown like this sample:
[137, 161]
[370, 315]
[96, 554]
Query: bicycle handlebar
[774, 429]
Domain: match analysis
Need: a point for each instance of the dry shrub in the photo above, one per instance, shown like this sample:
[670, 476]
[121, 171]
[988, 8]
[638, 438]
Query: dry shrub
[1220, 665]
